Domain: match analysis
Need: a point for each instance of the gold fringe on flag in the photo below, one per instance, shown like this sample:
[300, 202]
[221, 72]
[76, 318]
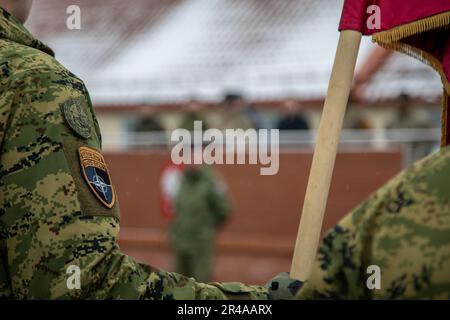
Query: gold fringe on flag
[391, 39]
[438, 21]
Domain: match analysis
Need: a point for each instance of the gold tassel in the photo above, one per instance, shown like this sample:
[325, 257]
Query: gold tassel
[438, 21]
[423, 56]
[391, 39]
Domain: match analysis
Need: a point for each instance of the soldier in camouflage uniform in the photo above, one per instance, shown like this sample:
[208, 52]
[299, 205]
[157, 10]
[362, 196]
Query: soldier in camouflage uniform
[403, 228]
[58, 206]
[201, 206]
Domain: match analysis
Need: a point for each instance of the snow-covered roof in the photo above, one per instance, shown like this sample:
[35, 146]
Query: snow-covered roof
[156, 51]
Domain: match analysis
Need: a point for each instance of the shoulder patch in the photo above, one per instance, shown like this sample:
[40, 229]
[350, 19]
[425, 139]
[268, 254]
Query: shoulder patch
[76, 117]
[96, 175]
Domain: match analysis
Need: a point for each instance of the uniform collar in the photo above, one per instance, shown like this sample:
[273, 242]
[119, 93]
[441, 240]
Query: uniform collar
[11, 29]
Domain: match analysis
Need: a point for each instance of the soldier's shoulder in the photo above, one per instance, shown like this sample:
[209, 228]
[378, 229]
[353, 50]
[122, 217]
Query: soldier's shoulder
[18, 61]
[433, 161]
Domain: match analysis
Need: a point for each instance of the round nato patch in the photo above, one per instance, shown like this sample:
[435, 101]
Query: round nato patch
[76, 118]
[97, 176]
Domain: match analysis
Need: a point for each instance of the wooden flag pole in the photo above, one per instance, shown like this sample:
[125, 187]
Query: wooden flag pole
[308, 236]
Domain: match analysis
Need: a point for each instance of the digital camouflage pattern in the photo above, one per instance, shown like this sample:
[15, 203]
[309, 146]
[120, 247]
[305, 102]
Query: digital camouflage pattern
[201, 206]
[49, 218]
[404, 228]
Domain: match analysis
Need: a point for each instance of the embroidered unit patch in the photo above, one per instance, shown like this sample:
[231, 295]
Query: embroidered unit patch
[76, 117]
[96, 174]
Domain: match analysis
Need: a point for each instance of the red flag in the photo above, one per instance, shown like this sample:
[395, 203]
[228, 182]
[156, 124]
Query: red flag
[419, 28]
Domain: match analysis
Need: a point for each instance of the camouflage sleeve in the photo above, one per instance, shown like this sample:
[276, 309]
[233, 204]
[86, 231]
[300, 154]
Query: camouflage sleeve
[6, 100]
[396, 245]
[53, 220]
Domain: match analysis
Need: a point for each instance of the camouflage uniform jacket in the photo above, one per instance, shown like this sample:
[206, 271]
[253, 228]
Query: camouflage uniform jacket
[50, 216]
[201, 205]
[403, 229]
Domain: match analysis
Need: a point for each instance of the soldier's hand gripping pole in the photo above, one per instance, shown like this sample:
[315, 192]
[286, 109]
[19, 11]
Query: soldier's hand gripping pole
[308, 236]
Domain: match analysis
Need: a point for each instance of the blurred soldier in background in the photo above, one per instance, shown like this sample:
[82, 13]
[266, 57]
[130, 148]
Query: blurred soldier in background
[148, 120]
[201, 206]
[406, 118]
[409, 119]
[293, 118]
[192, 111]
[148, 128]
[235, 117]
[58, 206]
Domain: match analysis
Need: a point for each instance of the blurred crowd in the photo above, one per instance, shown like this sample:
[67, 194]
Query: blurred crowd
[236, 112]
[402, 121]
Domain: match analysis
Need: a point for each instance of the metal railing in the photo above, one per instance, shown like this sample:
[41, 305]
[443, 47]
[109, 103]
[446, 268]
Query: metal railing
[414, 143]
